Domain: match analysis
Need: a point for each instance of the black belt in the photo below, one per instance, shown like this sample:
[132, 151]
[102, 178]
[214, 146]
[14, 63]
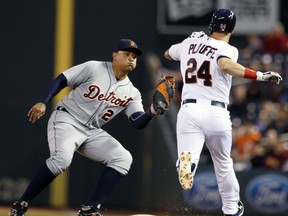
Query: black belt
[213, 103]
[62, 109]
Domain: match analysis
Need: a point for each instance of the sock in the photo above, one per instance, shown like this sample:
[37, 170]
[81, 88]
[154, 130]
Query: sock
[107, 182]
[40, 181]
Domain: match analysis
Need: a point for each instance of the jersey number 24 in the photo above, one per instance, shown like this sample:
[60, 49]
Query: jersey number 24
[192, 73]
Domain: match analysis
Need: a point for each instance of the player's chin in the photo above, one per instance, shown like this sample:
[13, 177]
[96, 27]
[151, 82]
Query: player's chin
[131, 68]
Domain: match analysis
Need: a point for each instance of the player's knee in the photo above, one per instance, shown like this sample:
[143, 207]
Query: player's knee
[128, 160]
[58, 166]
[123, 163]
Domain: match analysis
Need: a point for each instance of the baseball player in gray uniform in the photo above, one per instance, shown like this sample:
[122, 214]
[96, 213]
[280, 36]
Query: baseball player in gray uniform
[207, 66]
[100, 91]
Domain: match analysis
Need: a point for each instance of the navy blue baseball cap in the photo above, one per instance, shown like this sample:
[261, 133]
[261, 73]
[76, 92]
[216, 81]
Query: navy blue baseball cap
[127, 44]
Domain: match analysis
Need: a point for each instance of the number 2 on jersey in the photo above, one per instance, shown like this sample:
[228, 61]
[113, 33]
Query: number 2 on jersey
[192, 73]
[107, 115]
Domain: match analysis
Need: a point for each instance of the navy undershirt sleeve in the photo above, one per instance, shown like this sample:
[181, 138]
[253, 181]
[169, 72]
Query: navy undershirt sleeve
[54, 88]
[140, 120]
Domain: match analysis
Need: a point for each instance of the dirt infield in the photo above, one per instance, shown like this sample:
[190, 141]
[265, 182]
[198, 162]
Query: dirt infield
[40, 212]
[72, 212]
[68, 212]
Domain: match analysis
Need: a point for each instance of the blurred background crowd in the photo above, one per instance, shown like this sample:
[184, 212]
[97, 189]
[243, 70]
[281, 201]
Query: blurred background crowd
[259, 111]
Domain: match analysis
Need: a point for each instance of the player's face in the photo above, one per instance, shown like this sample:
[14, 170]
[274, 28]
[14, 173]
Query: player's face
[125, 60]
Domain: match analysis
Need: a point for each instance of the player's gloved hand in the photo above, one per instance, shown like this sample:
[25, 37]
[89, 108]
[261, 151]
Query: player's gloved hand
[270, 76]
[197, 34]
[152, 111]
[162, 95]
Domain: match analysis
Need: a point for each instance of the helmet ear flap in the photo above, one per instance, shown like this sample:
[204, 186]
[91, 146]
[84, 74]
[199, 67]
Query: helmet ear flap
[211, 28]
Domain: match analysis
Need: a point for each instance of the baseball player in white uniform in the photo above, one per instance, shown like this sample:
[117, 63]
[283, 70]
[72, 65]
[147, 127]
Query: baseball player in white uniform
[207, 66]
[100, 91]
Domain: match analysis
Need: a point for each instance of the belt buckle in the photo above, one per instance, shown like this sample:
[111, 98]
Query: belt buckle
[61, 108]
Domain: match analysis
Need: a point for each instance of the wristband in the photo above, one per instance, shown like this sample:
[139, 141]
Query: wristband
[250, 74]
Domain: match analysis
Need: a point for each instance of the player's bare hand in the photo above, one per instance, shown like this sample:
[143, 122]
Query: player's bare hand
[197, 34]
[36, 112]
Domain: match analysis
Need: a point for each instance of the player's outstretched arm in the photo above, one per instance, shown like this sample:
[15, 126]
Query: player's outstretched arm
[36, 112]
[233, 68]
[140, 120]
[162, 96]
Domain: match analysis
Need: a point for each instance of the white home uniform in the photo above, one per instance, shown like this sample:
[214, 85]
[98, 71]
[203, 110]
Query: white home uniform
[203, 116]
[75, 124]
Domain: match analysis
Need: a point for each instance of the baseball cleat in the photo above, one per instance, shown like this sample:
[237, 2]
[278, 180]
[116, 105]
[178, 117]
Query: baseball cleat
[89, 211]
[240, 211]
[185, 174]
[18, 208]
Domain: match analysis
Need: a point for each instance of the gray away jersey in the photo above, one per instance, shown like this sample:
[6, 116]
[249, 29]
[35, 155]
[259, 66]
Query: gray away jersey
[97, 96]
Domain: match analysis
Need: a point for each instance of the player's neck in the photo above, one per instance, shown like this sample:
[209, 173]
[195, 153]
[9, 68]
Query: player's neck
[221, 36]
[119, 75]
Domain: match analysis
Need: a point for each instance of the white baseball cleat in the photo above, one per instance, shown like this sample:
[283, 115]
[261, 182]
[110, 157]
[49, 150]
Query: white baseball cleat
[185, 174]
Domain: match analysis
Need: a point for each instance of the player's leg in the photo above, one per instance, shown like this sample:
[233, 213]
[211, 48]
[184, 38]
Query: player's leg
[61, 138]
[103, 148]
[219, 143]
[41, 179]
[190, 141]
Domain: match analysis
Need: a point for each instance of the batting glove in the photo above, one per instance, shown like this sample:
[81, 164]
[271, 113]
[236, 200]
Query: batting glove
[197, 34]
[270, 76]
